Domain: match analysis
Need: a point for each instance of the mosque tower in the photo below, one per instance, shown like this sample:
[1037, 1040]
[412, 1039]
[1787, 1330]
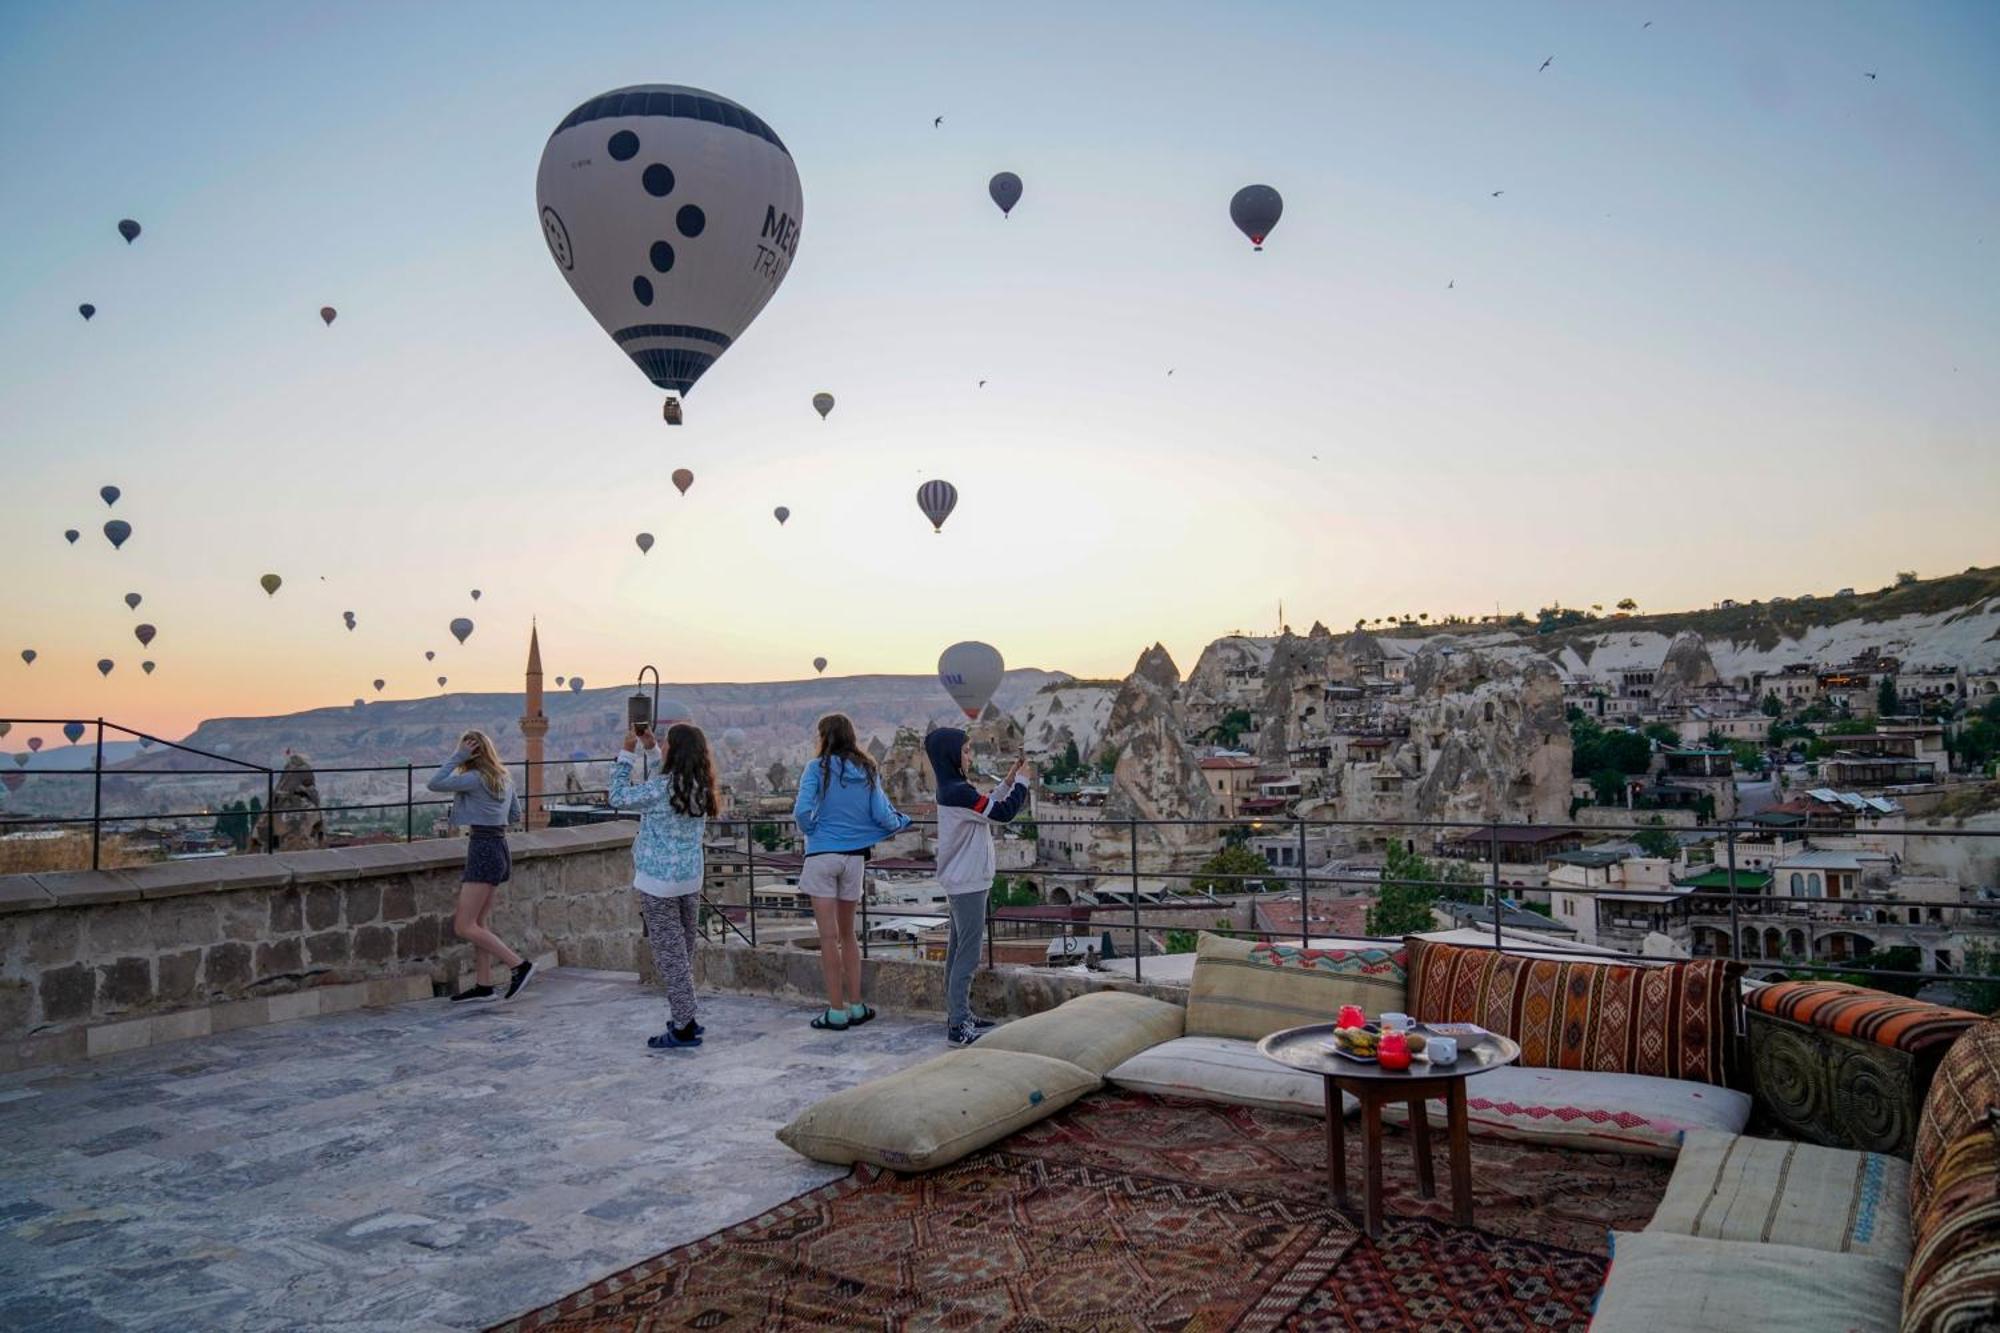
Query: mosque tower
[534, 726]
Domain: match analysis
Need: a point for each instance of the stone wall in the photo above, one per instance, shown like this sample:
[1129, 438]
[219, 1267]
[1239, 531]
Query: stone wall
[95, 961]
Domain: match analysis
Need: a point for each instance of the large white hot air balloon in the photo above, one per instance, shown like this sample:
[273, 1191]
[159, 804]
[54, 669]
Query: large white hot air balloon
[937, 499]
[970, 672]
[673, 214]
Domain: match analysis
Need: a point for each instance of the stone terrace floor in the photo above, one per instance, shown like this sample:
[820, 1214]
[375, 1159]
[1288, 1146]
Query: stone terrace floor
[420, 1167]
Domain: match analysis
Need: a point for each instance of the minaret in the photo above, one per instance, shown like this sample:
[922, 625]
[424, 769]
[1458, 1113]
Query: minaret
[534, 726]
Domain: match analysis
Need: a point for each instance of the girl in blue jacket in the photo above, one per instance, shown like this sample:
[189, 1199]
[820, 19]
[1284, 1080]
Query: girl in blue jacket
[843, 812]
[667, 862]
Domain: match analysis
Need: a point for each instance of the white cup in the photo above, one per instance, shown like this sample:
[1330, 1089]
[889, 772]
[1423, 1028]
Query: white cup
[1395, 1022]
[1441, 1050]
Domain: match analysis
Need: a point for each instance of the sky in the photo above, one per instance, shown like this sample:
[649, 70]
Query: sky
[1729, 331]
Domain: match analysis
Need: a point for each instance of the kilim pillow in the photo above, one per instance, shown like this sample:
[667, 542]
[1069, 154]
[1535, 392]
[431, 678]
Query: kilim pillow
[1672, 1021]
[1247, 990]
[1953, 1281]
[1733, 1187]
[1869, 1015]
[1966, 1088]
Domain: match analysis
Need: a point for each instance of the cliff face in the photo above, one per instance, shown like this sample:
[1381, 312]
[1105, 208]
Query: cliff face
[1157, 775]
[1487, 738]
[1057, 715]
[1295, 675]
[1685, 671]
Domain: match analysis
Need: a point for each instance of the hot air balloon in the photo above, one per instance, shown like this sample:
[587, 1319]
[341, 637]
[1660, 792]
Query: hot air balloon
[461, 629]
[379, 683]
[1255, 209]
[576, 684]
[104, 665]
[128, 229]
[144, 634]
[109, 494]
[819, 665]
[672, 710]
[683, 479]
[970, 672]
[429, 655]
[5, 726]
[559, 682]
[116, 531]
[1006, 191]
[348, 617]
[132, 599]
[822, 404]
[86, 310]
[475, 594]
[674, 215]
[937, 499]
[145, 742]
[440, 682]
[327, 315]
[270, 583]
[146, 667]
[781, 514]
[645, 540]
[35, 742]
[70, 535]
[360, 703]
[74, 730]
[28, 656]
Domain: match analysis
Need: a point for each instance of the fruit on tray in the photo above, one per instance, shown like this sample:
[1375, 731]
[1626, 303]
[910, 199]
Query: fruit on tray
[1357, 1041]
[1416, 1040]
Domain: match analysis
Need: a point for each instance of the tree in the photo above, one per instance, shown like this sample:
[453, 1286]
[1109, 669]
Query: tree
[1659, 733]
[1182, 941]
[1403, 906]
[1981, 997]
[232, 824]
[1887, 702]
[1012, 893]
[1218, 872]
[1232, 726]
[1627, 605]
[1608, 786]
[1770, 706]
[1900, 959]
[767, 836]
[1905, 577]
[1655, 840]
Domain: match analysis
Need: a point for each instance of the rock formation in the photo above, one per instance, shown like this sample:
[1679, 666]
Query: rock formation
[1685, 672]
[1488, 739]
[1158, 775]
[295, 819]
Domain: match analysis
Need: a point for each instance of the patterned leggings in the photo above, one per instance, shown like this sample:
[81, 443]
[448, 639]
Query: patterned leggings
[671, 930]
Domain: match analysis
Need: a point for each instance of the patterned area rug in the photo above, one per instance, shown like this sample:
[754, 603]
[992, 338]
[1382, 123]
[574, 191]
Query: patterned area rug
[1145, 1213]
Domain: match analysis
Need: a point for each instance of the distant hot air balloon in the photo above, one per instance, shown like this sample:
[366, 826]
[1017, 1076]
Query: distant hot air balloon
[327, 315]
[674, 215]
[819, 665]
[74, 730]
[109, 494]
[559, 682]
[970, 672]
[781, 514]
[348, 617]
[35, 742]
[144, 634]
[379, 683]
[28, 656]
[645, 540]
[475, 594]
[128, 229]
[360, 703]
[116, 531]
[86, 310]
[5, 726]
[429, 655]
[683, 479]
[1255, 209]
[733, 737]
[104, 665]
[576, 684]
[146, 667]
[673, 710]
[70, 535]
[822, 404]
[145, 742]
[440, 682]
[461, 629]
[937, 499]
[270, 583]
[132, 599]
[1006, 191]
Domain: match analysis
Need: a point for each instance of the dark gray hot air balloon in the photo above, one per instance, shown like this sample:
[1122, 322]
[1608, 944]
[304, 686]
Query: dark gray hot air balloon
[819, 665]
[70, 535]
[822, 404]
[379, 684]
[109, 494]
[104, 665]
[74, 730]
[441, 680]
[86, 310]
[348, 617]
[146, 667]
[559, 682]
[781, 514]
[28, 656]
[683, 479]
[144, 634]
[360, 703]
[475, 594]
[1255, 209]
[1006, 191]
[128, 229]
[461, 629]
[429, 655]
[270, 583]
[645, 540]
[970, 672]
[576, 684]
[35, 742]
[327, 314]
[937, 499]
[132, 599]
[116, 531]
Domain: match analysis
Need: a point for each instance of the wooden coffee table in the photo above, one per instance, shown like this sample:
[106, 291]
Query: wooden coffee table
[1311, 1048]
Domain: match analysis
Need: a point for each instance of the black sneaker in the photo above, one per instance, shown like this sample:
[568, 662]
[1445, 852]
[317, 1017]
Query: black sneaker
[474, 994]
[984, 1024]
[522, 971]
[962, 1035]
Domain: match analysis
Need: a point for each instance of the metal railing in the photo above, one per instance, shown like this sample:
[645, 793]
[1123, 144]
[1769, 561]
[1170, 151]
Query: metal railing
[1298, 882]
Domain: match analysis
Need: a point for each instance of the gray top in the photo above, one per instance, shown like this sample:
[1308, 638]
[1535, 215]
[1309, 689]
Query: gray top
[471, 803]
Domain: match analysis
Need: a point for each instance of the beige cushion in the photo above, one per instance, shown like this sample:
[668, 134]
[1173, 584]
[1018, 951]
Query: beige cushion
[1250, 990]
[1576, 1108]
[934, 1113]
[1663, 1283]
[1729, 1187]
[1094, 1031]
[1223, 1069]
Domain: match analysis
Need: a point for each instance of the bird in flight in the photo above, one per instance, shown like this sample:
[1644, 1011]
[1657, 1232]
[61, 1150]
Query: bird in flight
[1450, 285]
[938, 123]
[1498, 193]
[1546, 63]
[1170, 373]
[982, 384]
[1647, 24]
[1868, 73]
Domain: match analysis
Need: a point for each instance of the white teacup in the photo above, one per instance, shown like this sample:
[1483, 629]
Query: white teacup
[1395, 1022]
[1442, 1050]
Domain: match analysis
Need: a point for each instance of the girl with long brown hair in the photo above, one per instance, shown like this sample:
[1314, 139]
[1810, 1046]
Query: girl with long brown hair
[843, 812]
[484, 803]
[667, 861]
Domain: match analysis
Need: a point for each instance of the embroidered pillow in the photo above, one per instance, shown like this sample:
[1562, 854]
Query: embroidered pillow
[1247, 990]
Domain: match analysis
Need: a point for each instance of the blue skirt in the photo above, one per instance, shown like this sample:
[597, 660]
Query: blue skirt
[487, 860]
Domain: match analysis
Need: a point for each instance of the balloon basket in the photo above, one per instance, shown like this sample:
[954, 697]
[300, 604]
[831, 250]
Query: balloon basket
[670, 411]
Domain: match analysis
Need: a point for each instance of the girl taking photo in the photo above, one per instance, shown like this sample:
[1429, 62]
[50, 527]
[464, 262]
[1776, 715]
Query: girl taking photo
[484, 802]
[667, 861]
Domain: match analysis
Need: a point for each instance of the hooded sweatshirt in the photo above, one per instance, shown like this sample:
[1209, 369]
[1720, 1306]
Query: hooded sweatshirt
[965, 818]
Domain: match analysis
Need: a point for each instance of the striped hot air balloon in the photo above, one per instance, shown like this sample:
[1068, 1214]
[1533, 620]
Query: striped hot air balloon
[937, 499]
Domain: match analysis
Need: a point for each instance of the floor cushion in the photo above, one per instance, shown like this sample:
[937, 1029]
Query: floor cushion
[1224, 1069]
[1965, 1090]
[1732, 1187]
[932, 1114]
[1094, 1031]
[1953, 1282]
[1631, 1113]
[1671, 1021]
[1663, 1283]
[1249, 990]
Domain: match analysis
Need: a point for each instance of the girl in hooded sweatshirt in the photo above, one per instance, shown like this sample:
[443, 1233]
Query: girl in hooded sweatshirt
[843, 812]
[965, 865]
